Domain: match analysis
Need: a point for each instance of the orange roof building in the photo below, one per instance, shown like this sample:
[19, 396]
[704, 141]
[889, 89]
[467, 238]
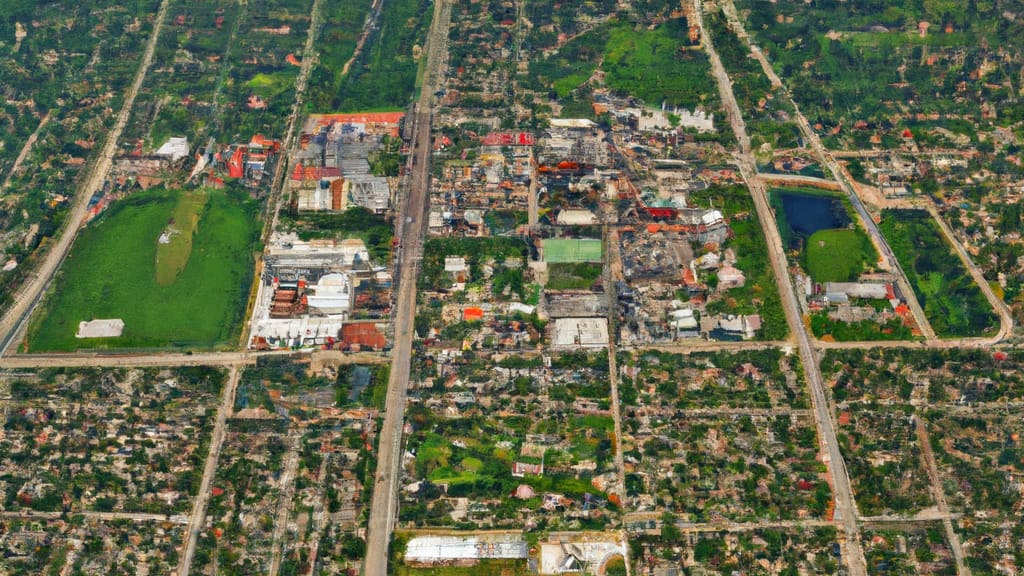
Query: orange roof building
[473, 314]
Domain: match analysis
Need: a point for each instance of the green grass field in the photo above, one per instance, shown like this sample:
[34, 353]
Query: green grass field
[112, 273]
[838, 255]
[558, 251]
[172, 257]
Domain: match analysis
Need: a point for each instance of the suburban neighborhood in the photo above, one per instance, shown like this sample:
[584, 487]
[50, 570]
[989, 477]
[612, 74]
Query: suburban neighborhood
[421, 287]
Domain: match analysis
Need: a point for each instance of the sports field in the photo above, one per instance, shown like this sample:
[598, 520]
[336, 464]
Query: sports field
[193, 295]
[572, 250]
[839, 255]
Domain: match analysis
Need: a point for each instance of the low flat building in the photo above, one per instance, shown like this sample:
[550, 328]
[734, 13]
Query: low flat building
[869, 291]
[580, 333]
[332, 295]
[576, 217]
[370, 192]
[440, 549]
[174, 148]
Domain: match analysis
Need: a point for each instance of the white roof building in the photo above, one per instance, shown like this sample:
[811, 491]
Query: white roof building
[730, 277]
[865, 290]
[572, 123]
[683, 319]
[455, 264]
[711, 217]
[576, 217]
[332, 294]
[436, 549]
[289, 249]
[581, 333]
[174, 148]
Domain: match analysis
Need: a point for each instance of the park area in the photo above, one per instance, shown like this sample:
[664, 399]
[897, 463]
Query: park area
[953, 303]
[175, 266]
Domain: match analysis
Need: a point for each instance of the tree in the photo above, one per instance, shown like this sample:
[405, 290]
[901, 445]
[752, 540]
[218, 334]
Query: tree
[669, 531]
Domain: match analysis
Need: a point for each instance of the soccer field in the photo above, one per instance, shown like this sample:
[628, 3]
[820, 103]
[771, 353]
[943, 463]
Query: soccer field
[194, 297]
[572, 250]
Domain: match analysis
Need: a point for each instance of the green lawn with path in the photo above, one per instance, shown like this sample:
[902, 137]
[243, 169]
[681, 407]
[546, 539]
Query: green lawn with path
[112, 272]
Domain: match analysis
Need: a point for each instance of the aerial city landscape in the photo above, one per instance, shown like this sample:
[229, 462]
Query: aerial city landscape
[511, 287]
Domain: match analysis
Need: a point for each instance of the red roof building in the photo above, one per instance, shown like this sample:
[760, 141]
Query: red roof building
[236, 163]
[363, 334]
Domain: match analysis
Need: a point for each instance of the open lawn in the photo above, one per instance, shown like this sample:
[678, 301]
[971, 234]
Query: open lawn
[174, 248]
[838, 255]
[112, 273]
[656, 66]
[270, 84]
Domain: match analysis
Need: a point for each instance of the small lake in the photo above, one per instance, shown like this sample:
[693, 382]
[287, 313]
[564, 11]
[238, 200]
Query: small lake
[806, 214]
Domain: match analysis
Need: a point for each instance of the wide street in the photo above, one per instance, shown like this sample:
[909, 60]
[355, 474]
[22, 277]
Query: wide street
[842, 490]
[411, 227]
[197, 519]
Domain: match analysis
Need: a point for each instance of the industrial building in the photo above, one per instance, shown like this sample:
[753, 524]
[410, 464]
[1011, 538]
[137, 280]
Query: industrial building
[309, 289]
[427, 550]
[332, 168]
[580, 333]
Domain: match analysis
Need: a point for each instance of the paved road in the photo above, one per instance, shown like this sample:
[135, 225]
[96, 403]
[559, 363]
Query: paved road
[705, 527]
[100, 360]
[800, 180]
[198, 518]
[284, 500]
[687, 347]
[92, 515]
[939, 495]
[320, 516]
[111, 361]
[411, 228]
[884, 153]
[612, 263]
[16, 318]
[25, 150]
[917, 344]
[842, 490]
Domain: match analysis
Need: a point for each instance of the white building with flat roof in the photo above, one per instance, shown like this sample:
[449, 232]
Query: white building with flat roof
[174, 148]
[581, 333]
[437, 549]
[332, 294]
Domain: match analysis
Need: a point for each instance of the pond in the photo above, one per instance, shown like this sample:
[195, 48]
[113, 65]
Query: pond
[806, 214]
